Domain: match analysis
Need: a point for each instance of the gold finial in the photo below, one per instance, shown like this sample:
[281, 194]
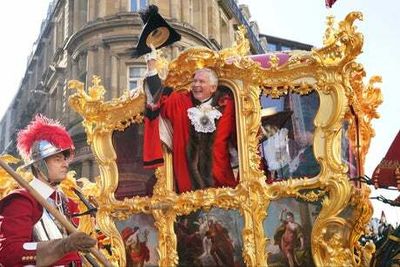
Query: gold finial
[330, 29]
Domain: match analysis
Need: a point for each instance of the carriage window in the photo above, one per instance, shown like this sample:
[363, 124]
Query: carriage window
[286, 145]
[210, 150]
[134, 179]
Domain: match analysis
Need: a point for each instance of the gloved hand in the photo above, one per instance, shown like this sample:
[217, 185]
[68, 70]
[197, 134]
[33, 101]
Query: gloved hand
[78, 242]
[48, 252]
[151, 60]
[152, 54]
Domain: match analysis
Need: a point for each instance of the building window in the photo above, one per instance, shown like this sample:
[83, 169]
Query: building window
[271, 47]
[137, 5]
[285, 48]
[135, 73]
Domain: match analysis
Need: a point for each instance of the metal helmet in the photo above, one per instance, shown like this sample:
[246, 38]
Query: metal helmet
[42, 138]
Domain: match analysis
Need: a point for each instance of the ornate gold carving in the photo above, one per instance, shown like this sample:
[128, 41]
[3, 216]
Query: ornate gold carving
[311, 196]
[331, 71]
[336, 253]
[116, 114]
[342, 45]
[7, 183]
[329, 36]
[363, 101]
[168, 243]
[363, 211]
[240, 48]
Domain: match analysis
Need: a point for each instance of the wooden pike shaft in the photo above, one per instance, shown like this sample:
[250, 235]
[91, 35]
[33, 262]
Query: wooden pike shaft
[53, 211]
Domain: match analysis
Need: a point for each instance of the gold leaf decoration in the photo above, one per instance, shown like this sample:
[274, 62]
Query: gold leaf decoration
[330, 71]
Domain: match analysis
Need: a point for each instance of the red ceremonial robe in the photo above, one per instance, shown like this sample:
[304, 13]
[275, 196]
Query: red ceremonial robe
[19, 212]
[175, 110]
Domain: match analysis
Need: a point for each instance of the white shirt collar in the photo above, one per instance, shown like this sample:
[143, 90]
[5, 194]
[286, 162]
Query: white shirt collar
[42, 188]
[207, 101]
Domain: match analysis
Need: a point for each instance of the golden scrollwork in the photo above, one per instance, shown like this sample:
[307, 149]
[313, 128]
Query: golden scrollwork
[341, 44]
[363, 210]
[336, 253]
[240, 48]
[363, 104]
[311, 196]
[7, 183]
[330, 71]
[104, 116]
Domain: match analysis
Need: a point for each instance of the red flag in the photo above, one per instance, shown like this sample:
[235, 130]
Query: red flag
[387, 173]
[329, 3]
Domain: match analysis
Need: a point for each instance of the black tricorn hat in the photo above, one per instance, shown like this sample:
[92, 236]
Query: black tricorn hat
[156, 32]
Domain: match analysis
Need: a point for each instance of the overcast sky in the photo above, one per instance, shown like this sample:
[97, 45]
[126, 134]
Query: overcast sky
[302, 21]
[19, 28]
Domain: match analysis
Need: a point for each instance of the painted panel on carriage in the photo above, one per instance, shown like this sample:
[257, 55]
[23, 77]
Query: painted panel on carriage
[288, 227]
[140, 238]
[286, 145]
[134, 180]
[348, 154]
[210, 238]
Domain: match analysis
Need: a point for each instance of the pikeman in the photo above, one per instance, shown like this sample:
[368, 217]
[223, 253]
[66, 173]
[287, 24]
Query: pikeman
[29, 234]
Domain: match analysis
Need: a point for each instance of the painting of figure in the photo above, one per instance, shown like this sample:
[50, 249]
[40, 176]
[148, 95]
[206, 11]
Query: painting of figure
[290, 239]
[137, 252]
[140, 239]
[210, 238]
[288, 227]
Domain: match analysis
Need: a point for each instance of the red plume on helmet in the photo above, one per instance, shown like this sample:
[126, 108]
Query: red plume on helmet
[45, 130]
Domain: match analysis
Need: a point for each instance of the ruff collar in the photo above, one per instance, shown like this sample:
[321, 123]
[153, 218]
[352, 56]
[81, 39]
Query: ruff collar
[203, 117]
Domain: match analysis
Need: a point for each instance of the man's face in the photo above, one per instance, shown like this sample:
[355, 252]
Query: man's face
[202, 89]
[57, 166]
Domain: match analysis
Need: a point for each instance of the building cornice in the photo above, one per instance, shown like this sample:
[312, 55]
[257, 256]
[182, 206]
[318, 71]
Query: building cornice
[74, 44]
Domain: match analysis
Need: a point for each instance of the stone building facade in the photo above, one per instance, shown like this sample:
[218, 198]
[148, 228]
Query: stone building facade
[80, 38]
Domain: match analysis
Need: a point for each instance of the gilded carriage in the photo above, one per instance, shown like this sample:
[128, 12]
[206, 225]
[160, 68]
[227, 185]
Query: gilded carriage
[297, 208]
